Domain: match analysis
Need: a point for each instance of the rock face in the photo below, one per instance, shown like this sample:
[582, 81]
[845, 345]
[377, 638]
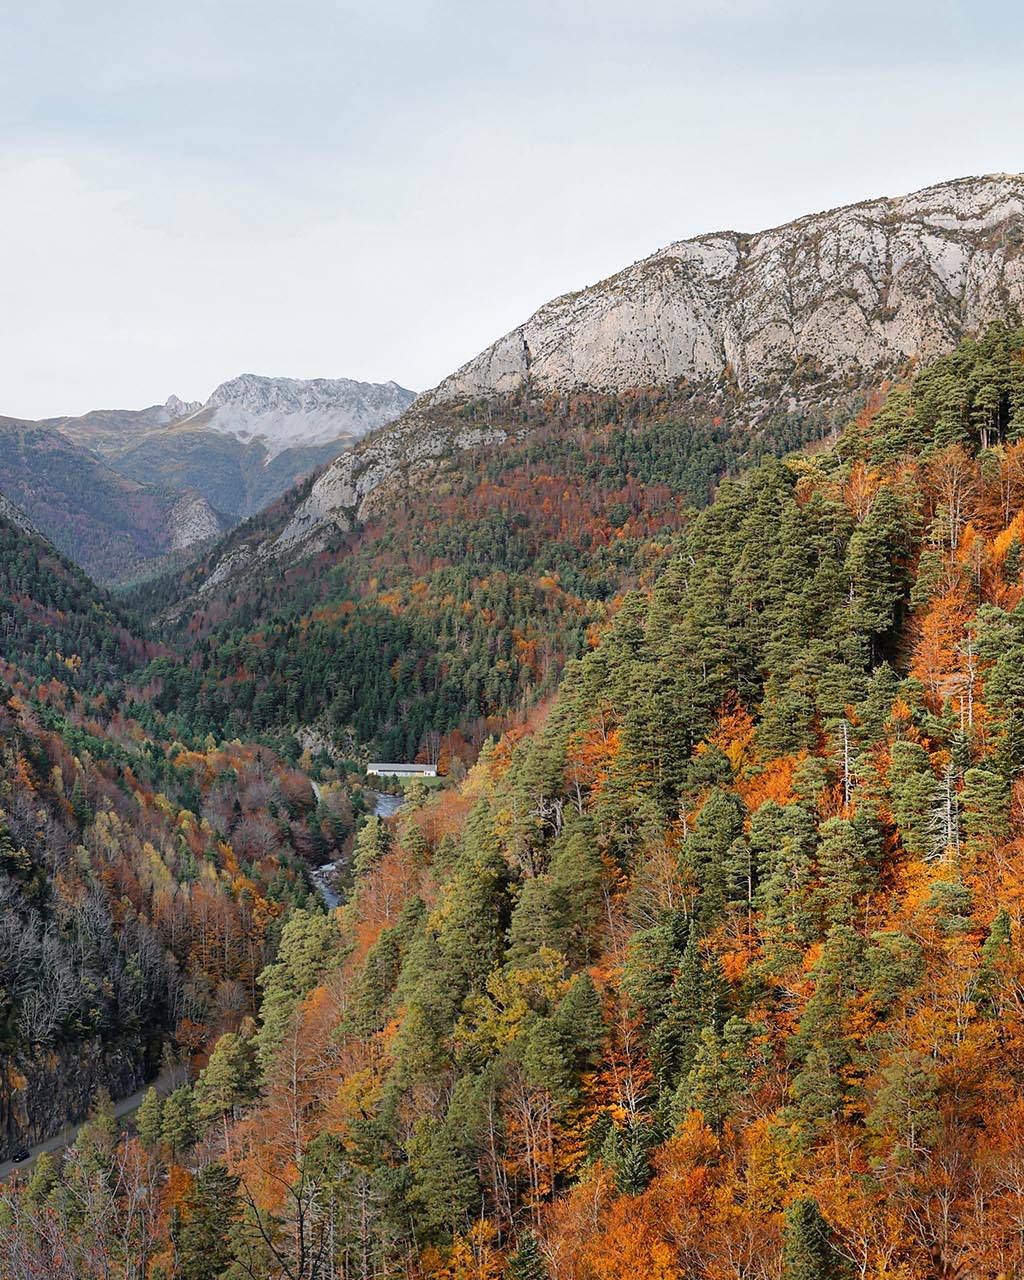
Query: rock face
[849, 293]
[352, 487]
[16, 516]
[191, 520]
[285, 412]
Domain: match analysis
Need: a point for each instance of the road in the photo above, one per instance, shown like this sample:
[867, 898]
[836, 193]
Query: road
[164, 1083]
[384, 806]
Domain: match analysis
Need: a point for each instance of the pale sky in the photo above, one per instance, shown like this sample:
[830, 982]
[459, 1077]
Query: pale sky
[201, 188]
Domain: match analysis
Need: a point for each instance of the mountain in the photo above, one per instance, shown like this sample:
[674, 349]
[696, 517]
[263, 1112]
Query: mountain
[788, 318]
[251, 440]
[111, 525]
[475, 541]
[710, 965]
[286, 413]
[841, 295]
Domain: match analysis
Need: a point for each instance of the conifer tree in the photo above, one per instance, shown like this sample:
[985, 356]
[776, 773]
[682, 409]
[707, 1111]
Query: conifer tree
[442, 1182]
[178, 1129]
[526, 1262]
[227, 1082]
[202, 1231]
[45, 1177]
[807, 1249]
[149, 1118]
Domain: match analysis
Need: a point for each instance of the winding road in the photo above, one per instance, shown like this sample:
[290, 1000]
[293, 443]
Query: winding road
[164, 1083]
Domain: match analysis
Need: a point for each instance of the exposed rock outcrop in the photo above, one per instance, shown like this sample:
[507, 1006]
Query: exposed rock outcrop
[191, 520]
[852, 292]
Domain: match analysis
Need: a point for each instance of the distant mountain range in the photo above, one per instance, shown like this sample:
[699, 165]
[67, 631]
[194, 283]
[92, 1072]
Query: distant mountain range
[118, 490]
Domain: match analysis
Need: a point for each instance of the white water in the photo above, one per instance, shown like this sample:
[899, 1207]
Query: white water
[325, 877]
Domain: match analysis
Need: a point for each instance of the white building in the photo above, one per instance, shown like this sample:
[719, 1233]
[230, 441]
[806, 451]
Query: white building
[401, 770]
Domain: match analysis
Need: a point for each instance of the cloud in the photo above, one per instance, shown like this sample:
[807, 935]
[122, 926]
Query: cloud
[380, 191]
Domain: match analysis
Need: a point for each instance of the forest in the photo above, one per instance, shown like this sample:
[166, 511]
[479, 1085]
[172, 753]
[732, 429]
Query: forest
[710, 965]
[457, 610]
[144, 880]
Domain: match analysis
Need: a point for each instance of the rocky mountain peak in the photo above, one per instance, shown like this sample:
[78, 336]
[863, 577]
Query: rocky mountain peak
[287, 412]
[175, 408]
[844, 294]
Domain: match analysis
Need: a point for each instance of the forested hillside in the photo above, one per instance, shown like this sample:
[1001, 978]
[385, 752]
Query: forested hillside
[143, 879]
[453, 610]
[111, 525]
[710, 968]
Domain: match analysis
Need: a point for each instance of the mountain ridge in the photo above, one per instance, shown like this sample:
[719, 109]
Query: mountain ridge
[774, 375]
[582, 338]
[109, 523]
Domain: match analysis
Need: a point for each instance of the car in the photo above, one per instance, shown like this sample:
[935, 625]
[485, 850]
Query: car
[21, 1155]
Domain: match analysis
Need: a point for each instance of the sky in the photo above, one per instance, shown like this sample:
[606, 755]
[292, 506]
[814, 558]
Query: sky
[302, 188]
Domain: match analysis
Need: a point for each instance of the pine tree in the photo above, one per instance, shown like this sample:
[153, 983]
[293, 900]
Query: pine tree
[807, 1249]
[310, 943]
[996, 950]
[912, 791]
[985, 802]
[579, 1023]
[526, 1262]
[203, 1228]
[45, 1177]
[149, 1119]
[847, 870]
[719, 824]
[633, 1168]
[80, 807]
[821, 1087]
[178, 1128]
[228, 1081]
[442, 1181]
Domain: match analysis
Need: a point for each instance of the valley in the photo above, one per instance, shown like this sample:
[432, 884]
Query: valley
[704, 589]
[128, 493]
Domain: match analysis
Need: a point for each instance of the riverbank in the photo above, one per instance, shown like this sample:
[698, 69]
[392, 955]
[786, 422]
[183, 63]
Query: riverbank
[325, 878]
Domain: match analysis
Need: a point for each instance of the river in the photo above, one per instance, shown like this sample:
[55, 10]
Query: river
[384, 805]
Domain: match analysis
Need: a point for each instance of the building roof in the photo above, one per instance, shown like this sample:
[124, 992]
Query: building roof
[379, 767]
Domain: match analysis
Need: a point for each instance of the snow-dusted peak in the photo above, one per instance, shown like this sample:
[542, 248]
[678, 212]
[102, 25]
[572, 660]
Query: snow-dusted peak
[285, 412]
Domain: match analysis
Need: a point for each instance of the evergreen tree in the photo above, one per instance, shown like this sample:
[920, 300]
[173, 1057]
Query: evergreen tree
[442, 1182]
[996, 950]
[986, 808]
[912, 789]
[807, 1249]
[228, 1081]
[149, 1119]
[45, 1178]
[178, 1128]
[847, 870]
[202, 1232]
[526, 1262]
[310, 943]
[824, 1043]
